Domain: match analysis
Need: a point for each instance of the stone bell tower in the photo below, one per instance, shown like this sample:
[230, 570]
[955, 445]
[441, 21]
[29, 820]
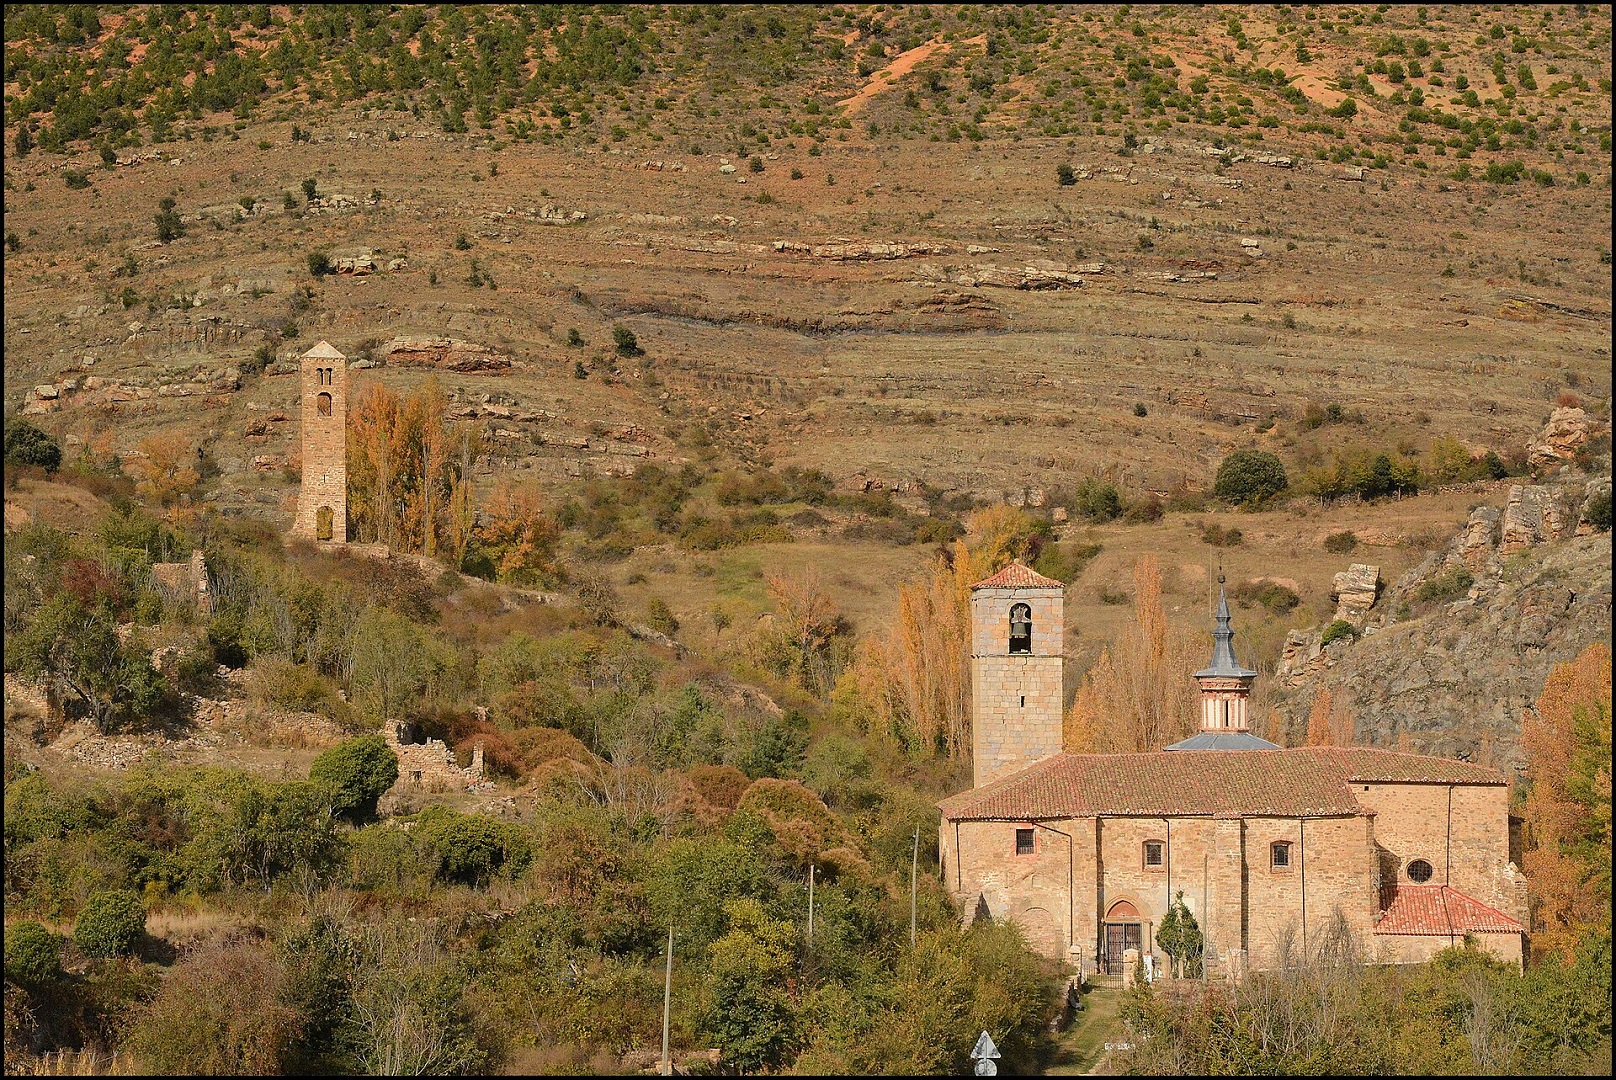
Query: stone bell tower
[322, 501]
[1017, 635]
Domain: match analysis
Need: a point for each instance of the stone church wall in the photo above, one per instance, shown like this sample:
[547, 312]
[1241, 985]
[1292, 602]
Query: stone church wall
[1413, 822]
[1333, 856]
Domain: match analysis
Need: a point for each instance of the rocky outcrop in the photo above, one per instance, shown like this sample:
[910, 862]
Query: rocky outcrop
[1561, 438]
[1480, 537]
[846, 250]
[1535, 513]
[1453, 676]
[445, 353]
[78, 392]
[1355, 590]
[359, 261]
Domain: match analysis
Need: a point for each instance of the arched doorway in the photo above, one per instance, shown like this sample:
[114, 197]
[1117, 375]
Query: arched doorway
[1122, 929]
[323, 523]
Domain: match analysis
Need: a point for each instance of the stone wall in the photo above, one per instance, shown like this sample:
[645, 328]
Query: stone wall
[1061, 892]
[185, 583]
[429, 766]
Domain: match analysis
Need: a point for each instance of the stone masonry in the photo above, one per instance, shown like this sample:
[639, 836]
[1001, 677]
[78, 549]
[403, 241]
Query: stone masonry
[1017, 698]
[1274, 851]
[322, 501]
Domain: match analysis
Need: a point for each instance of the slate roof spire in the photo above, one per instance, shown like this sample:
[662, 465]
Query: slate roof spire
[1223, 664]
[1225, 693]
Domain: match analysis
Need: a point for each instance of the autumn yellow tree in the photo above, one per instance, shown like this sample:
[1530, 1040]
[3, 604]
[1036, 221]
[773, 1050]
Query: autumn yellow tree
[166, 469]
[517, 534]
[1567, 740]
[407, 485]
[1139, 695]
[1328, 725]
[915, 679]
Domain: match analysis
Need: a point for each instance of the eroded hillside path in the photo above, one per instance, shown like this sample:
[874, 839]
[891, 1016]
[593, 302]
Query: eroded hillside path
[901, 65]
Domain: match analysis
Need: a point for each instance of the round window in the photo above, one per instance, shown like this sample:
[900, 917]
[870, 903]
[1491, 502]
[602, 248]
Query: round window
[1419, 871]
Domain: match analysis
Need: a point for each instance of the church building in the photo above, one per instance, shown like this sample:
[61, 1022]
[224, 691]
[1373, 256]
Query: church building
[1271, 849]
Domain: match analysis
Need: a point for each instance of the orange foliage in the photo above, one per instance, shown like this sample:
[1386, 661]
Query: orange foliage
[166, 472]
[1328, 725]
[518, 535]
[404, 477]
[1139, 695]
[1567, 810]
[917, 678]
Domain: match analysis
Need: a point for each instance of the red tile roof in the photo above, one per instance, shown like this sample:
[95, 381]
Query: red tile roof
[1016, 576]
[1442, 910]
[1309, 781]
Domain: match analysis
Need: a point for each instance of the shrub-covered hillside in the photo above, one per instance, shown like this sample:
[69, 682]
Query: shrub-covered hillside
[1376, 85]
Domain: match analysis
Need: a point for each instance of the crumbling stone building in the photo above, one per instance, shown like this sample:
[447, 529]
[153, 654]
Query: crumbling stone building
[1272, 850]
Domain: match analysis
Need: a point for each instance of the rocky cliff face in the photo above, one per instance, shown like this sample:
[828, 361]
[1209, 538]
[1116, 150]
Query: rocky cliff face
[1453, 655]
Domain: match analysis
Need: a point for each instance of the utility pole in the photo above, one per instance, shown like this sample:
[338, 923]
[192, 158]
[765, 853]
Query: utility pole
[914, 864]
[811, 869]
[667, 998]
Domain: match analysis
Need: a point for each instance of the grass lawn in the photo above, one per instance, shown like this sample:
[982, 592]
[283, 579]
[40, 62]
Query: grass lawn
[1083, 1043]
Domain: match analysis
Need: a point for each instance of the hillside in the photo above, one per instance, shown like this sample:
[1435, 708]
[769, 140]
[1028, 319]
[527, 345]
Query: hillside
[699, 358]
[926, 310]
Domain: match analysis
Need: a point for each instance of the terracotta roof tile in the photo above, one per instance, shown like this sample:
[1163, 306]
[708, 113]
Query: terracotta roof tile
[1284, 783]
[1443, 910]
[1016, 576]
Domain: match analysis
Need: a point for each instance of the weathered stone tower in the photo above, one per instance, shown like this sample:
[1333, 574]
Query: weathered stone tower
[1018, 630]
[322, 502]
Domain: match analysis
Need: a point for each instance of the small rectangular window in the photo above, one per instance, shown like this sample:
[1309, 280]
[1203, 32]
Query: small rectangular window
[1281, 856]
[1153, 852]
[1023, 841]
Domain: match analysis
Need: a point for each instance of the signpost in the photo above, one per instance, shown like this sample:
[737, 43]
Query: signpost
[984, 1054]
[667, 998]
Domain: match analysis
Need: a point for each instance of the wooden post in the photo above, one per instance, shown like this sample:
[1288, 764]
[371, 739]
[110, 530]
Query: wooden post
[811, 869]
[667, 998]
[914, 864]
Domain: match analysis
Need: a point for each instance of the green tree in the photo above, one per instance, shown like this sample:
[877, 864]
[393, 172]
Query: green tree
[1065, 175]
[167, 219]
[309, 189]
[111, 923]
[751, 1019]
[1180, 938]
[391, 662]
[1250, 477]
[627, 344]
[28, 445]
[358, 771]
[33, 955]
[472, 848]
[79, 648]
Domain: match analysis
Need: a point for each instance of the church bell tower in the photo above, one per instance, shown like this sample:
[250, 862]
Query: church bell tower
[1017, 637]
